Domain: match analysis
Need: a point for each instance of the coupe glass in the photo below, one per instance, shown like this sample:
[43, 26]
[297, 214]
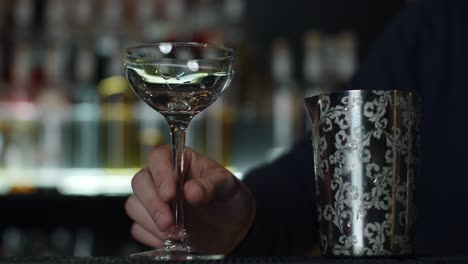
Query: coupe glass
[178, 80]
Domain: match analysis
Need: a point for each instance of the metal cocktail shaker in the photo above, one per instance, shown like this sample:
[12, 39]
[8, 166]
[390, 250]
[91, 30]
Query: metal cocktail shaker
[366, 155]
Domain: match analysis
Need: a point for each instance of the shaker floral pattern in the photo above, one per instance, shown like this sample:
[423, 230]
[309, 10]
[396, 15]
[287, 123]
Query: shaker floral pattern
[365, 154]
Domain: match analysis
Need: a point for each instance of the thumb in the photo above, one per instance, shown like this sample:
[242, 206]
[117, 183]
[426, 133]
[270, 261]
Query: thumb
[217, 184]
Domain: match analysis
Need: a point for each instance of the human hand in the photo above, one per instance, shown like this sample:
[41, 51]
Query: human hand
[219, 209]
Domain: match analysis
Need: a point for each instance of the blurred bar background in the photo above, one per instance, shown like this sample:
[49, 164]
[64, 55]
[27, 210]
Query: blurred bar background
[72, 133]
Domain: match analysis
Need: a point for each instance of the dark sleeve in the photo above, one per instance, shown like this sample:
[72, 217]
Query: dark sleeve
[393, 60]
[284, 190]
[425, 50]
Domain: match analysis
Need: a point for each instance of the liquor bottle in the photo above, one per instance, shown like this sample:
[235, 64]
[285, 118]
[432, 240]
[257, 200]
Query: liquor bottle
[82, 18]
[3, 117]
[119, 136]
[151, 129]
[285, 100]
[330, 58]
[346, 57]
[84, 242]
[84, 123]
[213, 131]
[2, 134]
[20, 154]
[14, 241]
[145, 12]
[234, 11]
[174, 11]
[23, 18]
[61, 241]
[313, 70]
[205, 16]
[55, 20]
[143, 17]
[179, 21]
[111, 16]
[152, 25]
[234, 22]
[54, 109]
[218, 121]
[313, 64]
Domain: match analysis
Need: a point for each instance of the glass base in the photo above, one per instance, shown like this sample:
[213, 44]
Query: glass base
[175, 255]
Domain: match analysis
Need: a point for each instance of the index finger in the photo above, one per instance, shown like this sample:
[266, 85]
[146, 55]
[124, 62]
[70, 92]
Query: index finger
[162, 171]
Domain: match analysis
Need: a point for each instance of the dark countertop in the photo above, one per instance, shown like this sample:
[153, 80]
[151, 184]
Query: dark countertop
[239, 260]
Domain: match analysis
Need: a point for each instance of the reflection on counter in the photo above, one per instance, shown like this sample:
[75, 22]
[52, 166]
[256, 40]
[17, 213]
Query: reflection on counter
[18, 241]
[50, 224]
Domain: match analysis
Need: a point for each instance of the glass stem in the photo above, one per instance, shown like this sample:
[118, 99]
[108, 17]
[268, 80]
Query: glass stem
[178, 149]
[177, 238]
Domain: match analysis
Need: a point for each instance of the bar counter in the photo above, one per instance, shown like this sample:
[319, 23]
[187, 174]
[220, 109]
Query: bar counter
[239, 260]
